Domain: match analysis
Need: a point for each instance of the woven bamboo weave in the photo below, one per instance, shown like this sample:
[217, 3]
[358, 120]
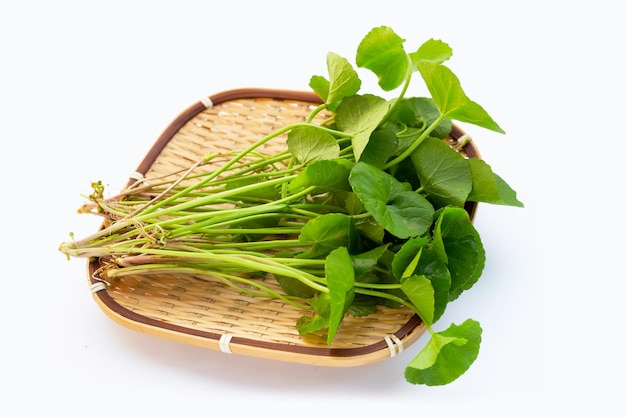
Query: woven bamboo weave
[203, 311]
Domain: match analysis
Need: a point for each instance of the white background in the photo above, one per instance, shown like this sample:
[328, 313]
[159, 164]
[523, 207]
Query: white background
[86, 88]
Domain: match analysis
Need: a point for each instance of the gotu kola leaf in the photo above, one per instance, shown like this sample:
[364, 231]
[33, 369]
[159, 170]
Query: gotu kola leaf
[343, 81]
[445, 89]
[382, 52]
[359, 116]
[457, 243]
[490, 188]
[331, 307]
[309, 144]
[340, 282]
[401, 211]
[446, 356]
[444, 174]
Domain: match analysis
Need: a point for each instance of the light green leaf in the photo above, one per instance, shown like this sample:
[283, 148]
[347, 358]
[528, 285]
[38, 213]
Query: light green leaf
[340, 283]
[420, 292]
[308, 144]
[320, 86]
[445, 89]
[382, 52]
[430, 51]
[344, 81]
[359, 116]
[446, 356]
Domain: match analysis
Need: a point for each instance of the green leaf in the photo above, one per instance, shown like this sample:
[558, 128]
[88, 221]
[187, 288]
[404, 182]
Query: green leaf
[488, 187]
[451, 100]
[443, 173]
[294, 287]
[320, 86]
[446, 356]
[382, 52]
[401, 211]
[458, 244]
[413, 258]
[308, 144]
[421, 293]
[309, 324]
[364, 261]
[344, 81]
[432, 50]
[362, 305]
[326, 175]
[370, 229]
[419, 112]
[340, 283]
[359, 116]
[381, 145]
[405, 255]
[437, 272]
[263, 192]
[328, 232]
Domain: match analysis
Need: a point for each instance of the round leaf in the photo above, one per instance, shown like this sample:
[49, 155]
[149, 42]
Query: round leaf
[446, 356]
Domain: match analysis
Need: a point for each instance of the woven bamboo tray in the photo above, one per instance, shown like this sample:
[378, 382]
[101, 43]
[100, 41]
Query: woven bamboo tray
[201, 311]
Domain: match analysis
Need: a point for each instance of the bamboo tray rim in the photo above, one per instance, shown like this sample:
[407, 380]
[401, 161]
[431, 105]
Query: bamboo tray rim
[387, 347]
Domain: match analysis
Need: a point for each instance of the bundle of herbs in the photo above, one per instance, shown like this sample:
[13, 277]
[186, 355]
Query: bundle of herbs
[366, 209]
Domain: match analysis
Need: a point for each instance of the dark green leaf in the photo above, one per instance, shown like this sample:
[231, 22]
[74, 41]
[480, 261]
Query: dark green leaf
[413, 258]
[405, 255]
[488, 187]
[419, 112]
[437, 272]
[362, 306]
[444, 174]
[263, 192]
[370, 229]
[381, 145]
[401, 211]
[294, 287]
[447, 355]
[325, 174]
[457, 243]
[364, 261]
[328, 232]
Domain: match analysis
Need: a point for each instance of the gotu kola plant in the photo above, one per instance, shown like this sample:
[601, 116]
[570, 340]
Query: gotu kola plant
[366, 209]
